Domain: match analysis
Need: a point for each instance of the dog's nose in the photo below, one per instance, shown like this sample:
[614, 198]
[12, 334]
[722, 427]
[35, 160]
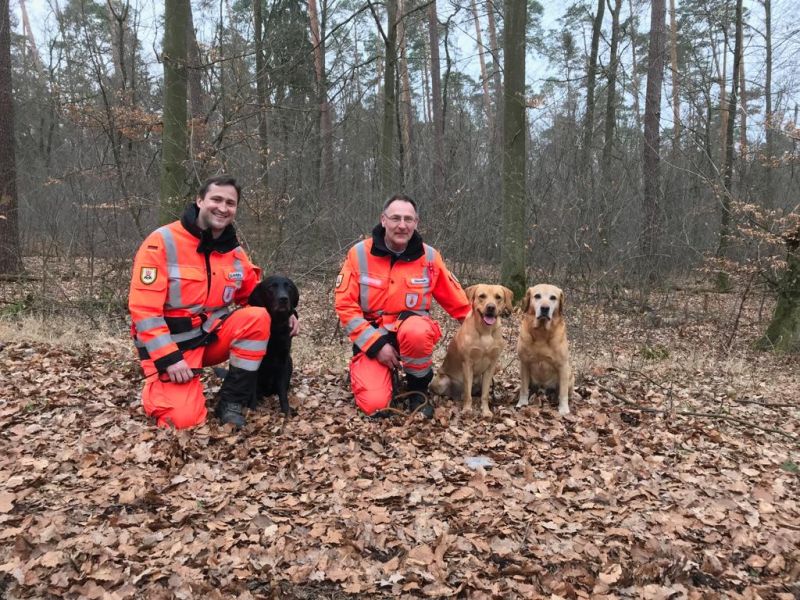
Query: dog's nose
[283, 301]
[544, 310]
[490, 309]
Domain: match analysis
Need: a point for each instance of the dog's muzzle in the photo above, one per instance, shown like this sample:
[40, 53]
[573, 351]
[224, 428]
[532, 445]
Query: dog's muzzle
[489, 315]
[544, 313]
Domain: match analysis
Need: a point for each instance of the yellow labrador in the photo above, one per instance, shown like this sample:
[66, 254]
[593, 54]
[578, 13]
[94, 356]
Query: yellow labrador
[542, 346]
[476, 347]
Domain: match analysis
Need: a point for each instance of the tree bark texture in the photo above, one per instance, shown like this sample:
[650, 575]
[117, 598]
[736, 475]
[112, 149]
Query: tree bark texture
[326, 189]
[783, 332]
[436, 104]
[676, 96]
[651, 166]
[727, 171]
[487, 102]
[173, 146]
[387, 166]
[591, 77]
[611, 97]
[514, 135]
[10, 260]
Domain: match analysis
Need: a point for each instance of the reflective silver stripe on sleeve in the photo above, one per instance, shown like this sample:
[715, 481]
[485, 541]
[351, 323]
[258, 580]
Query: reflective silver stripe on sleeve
[157, 342]
[363, 269]
[186, 335]
[244, 364]
[173, 271]
[237, 265]
[149, 323]
[353, 324]
[256, 345]
[417, 371]
[407, 360]
[368, 333]
[426, 273]
[214, 317]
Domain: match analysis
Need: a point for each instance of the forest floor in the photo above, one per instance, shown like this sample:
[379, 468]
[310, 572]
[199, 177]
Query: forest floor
[675, 476]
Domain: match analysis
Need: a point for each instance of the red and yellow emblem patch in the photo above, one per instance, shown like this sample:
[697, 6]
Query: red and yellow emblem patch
[148, 275]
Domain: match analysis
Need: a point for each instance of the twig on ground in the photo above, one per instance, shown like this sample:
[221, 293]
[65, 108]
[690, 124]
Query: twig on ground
[691, 413]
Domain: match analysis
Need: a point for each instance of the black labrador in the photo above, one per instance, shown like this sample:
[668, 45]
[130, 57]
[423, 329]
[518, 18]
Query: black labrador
[279, 295]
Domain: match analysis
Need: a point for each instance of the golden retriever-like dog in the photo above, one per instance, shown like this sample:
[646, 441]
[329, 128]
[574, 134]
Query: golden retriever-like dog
[476, 347]
[542, 346]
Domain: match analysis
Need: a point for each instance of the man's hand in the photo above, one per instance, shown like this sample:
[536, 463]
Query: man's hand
[387, 355]
[294, 325]
[180, 372]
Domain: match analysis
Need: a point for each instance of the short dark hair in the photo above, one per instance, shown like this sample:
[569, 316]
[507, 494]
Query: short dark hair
[220, 180]
[401, 198]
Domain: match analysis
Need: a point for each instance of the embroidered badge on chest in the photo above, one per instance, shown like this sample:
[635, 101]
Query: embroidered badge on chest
[411, 300]
[236, 276]
[148, 275]
[227, 293]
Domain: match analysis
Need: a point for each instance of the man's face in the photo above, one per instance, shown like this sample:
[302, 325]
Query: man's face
[217, 208]
[400, 221]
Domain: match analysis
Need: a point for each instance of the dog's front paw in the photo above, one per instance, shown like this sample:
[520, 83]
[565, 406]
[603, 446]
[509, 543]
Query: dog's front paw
[563, 408]
[523, 401]
[486, 412]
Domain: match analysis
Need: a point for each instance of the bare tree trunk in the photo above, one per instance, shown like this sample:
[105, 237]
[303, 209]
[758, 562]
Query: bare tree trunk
[591, 76]
[651, 233]
[723, 97]
[487, 102]
[635, 81]
[727, 173]
[173, 147]
[498, 84]
[611, 102]
[261, 96]
[770, 125]
[514, 135]
[326, 189]
[436, 95]
[10, 255]
[194, 73]
[406, 116]
[783, 332]
[387, 167]
[743, 108]
[676, 96]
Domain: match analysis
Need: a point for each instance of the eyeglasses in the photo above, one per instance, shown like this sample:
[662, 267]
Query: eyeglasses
[397, 219]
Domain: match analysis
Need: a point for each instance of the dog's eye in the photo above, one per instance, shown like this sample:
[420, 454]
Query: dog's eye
[537, 296]
[482, 296]
[496, 297]
[553, 298]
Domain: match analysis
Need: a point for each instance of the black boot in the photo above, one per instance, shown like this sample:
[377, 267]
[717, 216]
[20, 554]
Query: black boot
[236, 392]
[415, 400]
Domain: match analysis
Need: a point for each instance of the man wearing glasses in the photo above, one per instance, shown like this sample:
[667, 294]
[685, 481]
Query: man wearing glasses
[383, 298]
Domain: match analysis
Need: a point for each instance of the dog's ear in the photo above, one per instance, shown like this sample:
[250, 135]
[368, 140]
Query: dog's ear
[470, 292]
[258, 297]
[561, 304]
[294, 294]
[526, 301]
[508, 297]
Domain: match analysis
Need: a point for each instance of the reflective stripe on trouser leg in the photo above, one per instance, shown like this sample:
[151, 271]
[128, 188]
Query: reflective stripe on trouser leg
[417, 337]
[371, 383]
[242, 338]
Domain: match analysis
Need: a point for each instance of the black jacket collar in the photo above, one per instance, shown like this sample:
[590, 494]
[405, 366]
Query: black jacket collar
[226, 242]
[413, 251]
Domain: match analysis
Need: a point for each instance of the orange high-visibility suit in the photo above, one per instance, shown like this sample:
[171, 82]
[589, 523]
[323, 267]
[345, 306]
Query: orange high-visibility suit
[382, 298]
[182, 285]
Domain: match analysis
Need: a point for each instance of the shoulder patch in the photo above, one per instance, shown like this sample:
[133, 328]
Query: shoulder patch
[339, 279]
[148, 275]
